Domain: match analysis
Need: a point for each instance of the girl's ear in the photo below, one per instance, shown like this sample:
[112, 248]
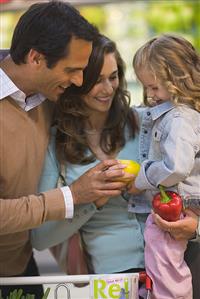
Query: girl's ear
[145, 100]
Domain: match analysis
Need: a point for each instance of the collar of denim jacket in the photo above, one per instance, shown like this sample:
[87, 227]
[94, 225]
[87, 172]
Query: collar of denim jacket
[158, 110]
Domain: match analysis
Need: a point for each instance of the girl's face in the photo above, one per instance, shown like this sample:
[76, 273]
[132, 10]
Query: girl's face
[100, 97]
[154, 88]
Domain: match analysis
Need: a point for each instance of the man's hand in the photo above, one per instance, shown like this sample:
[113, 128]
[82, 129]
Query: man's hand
[127, 176]
[98, 183]
[183, 229]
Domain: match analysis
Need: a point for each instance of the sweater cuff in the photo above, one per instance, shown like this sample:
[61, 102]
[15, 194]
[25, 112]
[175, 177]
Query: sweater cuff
[197, 235]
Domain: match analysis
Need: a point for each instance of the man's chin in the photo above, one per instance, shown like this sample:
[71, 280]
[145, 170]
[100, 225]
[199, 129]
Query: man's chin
[55, 98]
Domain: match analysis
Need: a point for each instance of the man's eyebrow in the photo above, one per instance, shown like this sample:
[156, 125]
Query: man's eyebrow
[74, 68]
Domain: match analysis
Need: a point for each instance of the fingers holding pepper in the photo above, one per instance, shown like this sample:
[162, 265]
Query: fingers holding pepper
[182, 229]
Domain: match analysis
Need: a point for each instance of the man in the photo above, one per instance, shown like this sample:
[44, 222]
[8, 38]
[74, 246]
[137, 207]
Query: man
[50, 48]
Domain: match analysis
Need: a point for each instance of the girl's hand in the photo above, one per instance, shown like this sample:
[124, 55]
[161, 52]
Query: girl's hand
[99, 203]
[132, 189]
[183, 229]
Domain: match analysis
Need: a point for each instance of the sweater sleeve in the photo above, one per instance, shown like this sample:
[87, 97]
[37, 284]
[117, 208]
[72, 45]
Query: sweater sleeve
[54, 232]
[30, 211]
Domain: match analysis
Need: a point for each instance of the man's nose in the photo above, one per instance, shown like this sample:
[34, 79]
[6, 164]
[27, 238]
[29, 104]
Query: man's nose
[77, 79]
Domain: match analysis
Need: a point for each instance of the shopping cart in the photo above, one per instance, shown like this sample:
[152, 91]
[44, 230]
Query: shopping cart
[66, 282]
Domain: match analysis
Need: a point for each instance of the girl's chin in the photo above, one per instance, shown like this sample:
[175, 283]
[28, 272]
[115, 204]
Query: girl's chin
[153, 103]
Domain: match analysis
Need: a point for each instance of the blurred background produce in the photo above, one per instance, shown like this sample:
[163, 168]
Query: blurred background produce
[129, 23]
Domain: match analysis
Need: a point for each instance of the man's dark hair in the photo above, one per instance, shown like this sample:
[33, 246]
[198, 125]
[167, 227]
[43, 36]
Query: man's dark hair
[48, 28]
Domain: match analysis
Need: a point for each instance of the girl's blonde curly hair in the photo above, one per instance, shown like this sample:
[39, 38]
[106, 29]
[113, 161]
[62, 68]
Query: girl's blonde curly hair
[175, 62]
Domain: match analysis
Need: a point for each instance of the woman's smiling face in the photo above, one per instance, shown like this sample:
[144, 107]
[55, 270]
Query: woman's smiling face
[100, 97]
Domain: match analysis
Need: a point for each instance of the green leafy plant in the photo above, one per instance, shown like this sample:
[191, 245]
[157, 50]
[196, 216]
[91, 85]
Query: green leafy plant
[18, 294]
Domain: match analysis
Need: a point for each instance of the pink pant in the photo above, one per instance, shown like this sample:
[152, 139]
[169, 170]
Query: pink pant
[165, 265]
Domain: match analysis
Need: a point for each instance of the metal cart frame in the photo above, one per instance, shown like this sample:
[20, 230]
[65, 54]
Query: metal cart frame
[65, 280]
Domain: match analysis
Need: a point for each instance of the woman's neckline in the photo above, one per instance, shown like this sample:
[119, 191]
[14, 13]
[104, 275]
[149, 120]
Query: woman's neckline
[92, 131]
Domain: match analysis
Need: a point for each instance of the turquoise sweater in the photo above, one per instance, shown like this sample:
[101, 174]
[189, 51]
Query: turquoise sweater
[114, 237]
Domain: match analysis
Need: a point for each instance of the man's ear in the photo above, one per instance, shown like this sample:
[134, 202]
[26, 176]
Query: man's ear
[35, 58]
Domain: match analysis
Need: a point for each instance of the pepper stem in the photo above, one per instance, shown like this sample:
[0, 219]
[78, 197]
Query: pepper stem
[164, 197]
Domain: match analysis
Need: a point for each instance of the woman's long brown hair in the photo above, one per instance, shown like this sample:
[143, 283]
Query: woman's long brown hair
[71, 142]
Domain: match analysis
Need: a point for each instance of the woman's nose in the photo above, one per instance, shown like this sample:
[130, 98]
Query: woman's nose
[108, 87]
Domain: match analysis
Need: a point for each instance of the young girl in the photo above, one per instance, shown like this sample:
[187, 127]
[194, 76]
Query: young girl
[169, 69]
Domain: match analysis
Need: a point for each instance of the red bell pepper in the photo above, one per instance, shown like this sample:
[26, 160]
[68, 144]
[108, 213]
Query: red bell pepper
[167, 204]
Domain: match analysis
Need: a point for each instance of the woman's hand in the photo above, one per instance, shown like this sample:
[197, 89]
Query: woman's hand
[183, 229]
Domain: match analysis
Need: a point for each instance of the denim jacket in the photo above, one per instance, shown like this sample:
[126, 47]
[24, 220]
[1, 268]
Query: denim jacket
[169, 151]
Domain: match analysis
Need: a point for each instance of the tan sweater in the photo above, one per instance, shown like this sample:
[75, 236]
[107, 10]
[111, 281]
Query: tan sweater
[23, 142]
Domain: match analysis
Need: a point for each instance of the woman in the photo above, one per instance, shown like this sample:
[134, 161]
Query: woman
[103, 126]
[95, 122]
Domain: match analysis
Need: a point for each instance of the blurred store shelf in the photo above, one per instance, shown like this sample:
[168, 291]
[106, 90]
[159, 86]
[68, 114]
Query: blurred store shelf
[46, 263]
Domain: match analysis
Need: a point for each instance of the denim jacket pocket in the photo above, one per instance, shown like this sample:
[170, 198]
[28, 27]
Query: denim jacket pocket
[157, 135]
[154, 150]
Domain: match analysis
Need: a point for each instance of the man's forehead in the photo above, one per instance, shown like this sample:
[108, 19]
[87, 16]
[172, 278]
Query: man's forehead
[78, 53]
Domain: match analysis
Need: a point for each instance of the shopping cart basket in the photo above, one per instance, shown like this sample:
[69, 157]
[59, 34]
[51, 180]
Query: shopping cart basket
[66, 281]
